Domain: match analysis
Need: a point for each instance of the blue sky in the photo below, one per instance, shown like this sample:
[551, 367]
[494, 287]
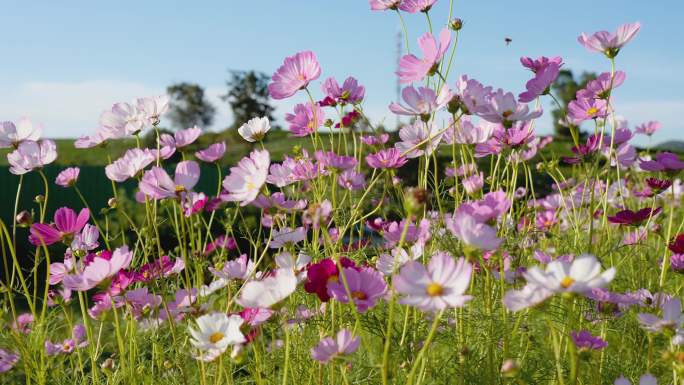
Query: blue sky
[64, 62]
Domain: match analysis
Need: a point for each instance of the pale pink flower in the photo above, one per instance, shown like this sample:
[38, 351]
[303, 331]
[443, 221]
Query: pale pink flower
[306, 119]
[350, 92]
[12, 135]
[212, 153]
[504, 108]
[422, 102]
[413, 6]
[99, 138]
[418, 139]
[153, 107]
[442, 284]
[295, 74]
[31, 155]
[383, 5]
[123, 119]
[246, 179]
[239, 268]
[68, 177]
[328, 348]
[610, 43]
[169, 144]
[268, 291]
[474, 96]
[471, 231]
[157, 184]
[130, 164]
[98, 270]
[287, 236]
[86, 240]
[648, 128]
[465, 132]
[411, 68]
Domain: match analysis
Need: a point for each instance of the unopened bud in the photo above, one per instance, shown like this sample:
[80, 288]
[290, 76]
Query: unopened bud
[509, 368]
[39, 198]
[456, 24]
[415, 199]
[107, 364]
[24, 218]
[112, 203]
[328, 123]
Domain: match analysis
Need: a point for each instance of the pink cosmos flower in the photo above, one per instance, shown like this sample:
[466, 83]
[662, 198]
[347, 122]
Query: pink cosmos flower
[350, 92]
[239, 268]
[331, 159]
[99, 269]
[7, 360]
[465, 132]
[442, 284]
[306, 119]
[664, 161]
[584, 109]
[375, 140]
[473, 96]
[601, 87]
[31, 155]
[157, 184]
[12, 135]
[584, 340]
[86, 240]
[169, 144]
[287, 236]
[212, 153]
[130, 164]
[68, 177]
[66, 225]
[99, 138]
[351, 180]
[327, 349]
[77, 340]
[383, 5]
[418, 139]
[23, 323]
[222, 242]
[422, 102]
[473, 183]
[153, 107]
[413, 6]
[539, 85]
[412, 68]
[387, 158]
[470, 231]
[123, 119]
[538, 64]
[607, 42]
[193, 202]
[245, 180]
[503, 108]
[295, 74]
[415, 233]
[365, 285]
[162, 267]
[648, 128]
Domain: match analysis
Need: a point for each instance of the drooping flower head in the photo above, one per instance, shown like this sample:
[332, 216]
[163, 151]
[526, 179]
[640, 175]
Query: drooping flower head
[212, 153]
[610, 43]
[295, 74]
[68, 177]
[414, 6]
[183, 138]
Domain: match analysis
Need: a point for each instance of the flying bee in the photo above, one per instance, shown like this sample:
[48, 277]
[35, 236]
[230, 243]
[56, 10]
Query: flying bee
[508, 41]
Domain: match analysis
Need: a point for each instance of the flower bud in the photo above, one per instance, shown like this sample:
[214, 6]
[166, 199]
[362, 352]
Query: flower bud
[509, 368]
[39, 198]
[456, 24]
[107, 364]
[112, 203]
[24, 218]
[415, 199]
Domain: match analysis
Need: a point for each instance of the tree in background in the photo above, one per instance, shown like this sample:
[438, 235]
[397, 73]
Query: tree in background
[248, 96]
[189, 106]
[564, 89]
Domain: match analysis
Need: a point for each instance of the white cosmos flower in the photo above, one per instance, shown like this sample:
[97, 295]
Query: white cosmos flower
[388, 264]
[255, 129]
[579, 276]
[672, 317]
[297, 264]
[11, 134]
[267, 292]
[214, 333]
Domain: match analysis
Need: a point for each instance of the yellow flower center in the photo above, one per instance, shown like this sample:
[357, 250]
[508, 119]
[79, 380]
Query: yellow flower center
[359, 295]
[333, 278]
[179, 188]
[507, 113]
[592, 111]
[567, 282]
[434, 289]
[216, 337]
[250, 185]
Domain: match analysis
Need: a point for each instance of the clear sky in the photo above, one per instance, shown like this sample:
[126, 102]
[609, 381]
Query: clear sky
[64, 62]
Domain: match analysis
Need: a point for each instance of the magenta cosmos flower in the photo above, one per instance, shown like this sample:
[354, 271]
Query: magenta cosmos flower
[7, 360]
[68, 177]
[245, 180]
[157, 184]
[350, 92]
[306, 119]
[212, 153]
[421, 102]
[473, 96]
[295, 74]
[411, 68]
[540, 84]
[634, 218]
[129, 165]
[586, 341]
[383, 5]
[538, 64]
[365, 285]
[322, 273]
[439, 285]
[12, 135]
[587, 108]
[607, 42]
[67, 224]
[664, 161]
[344, 344]
[387, 158]
[414, 6]
[100, 268]
[31, 155]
